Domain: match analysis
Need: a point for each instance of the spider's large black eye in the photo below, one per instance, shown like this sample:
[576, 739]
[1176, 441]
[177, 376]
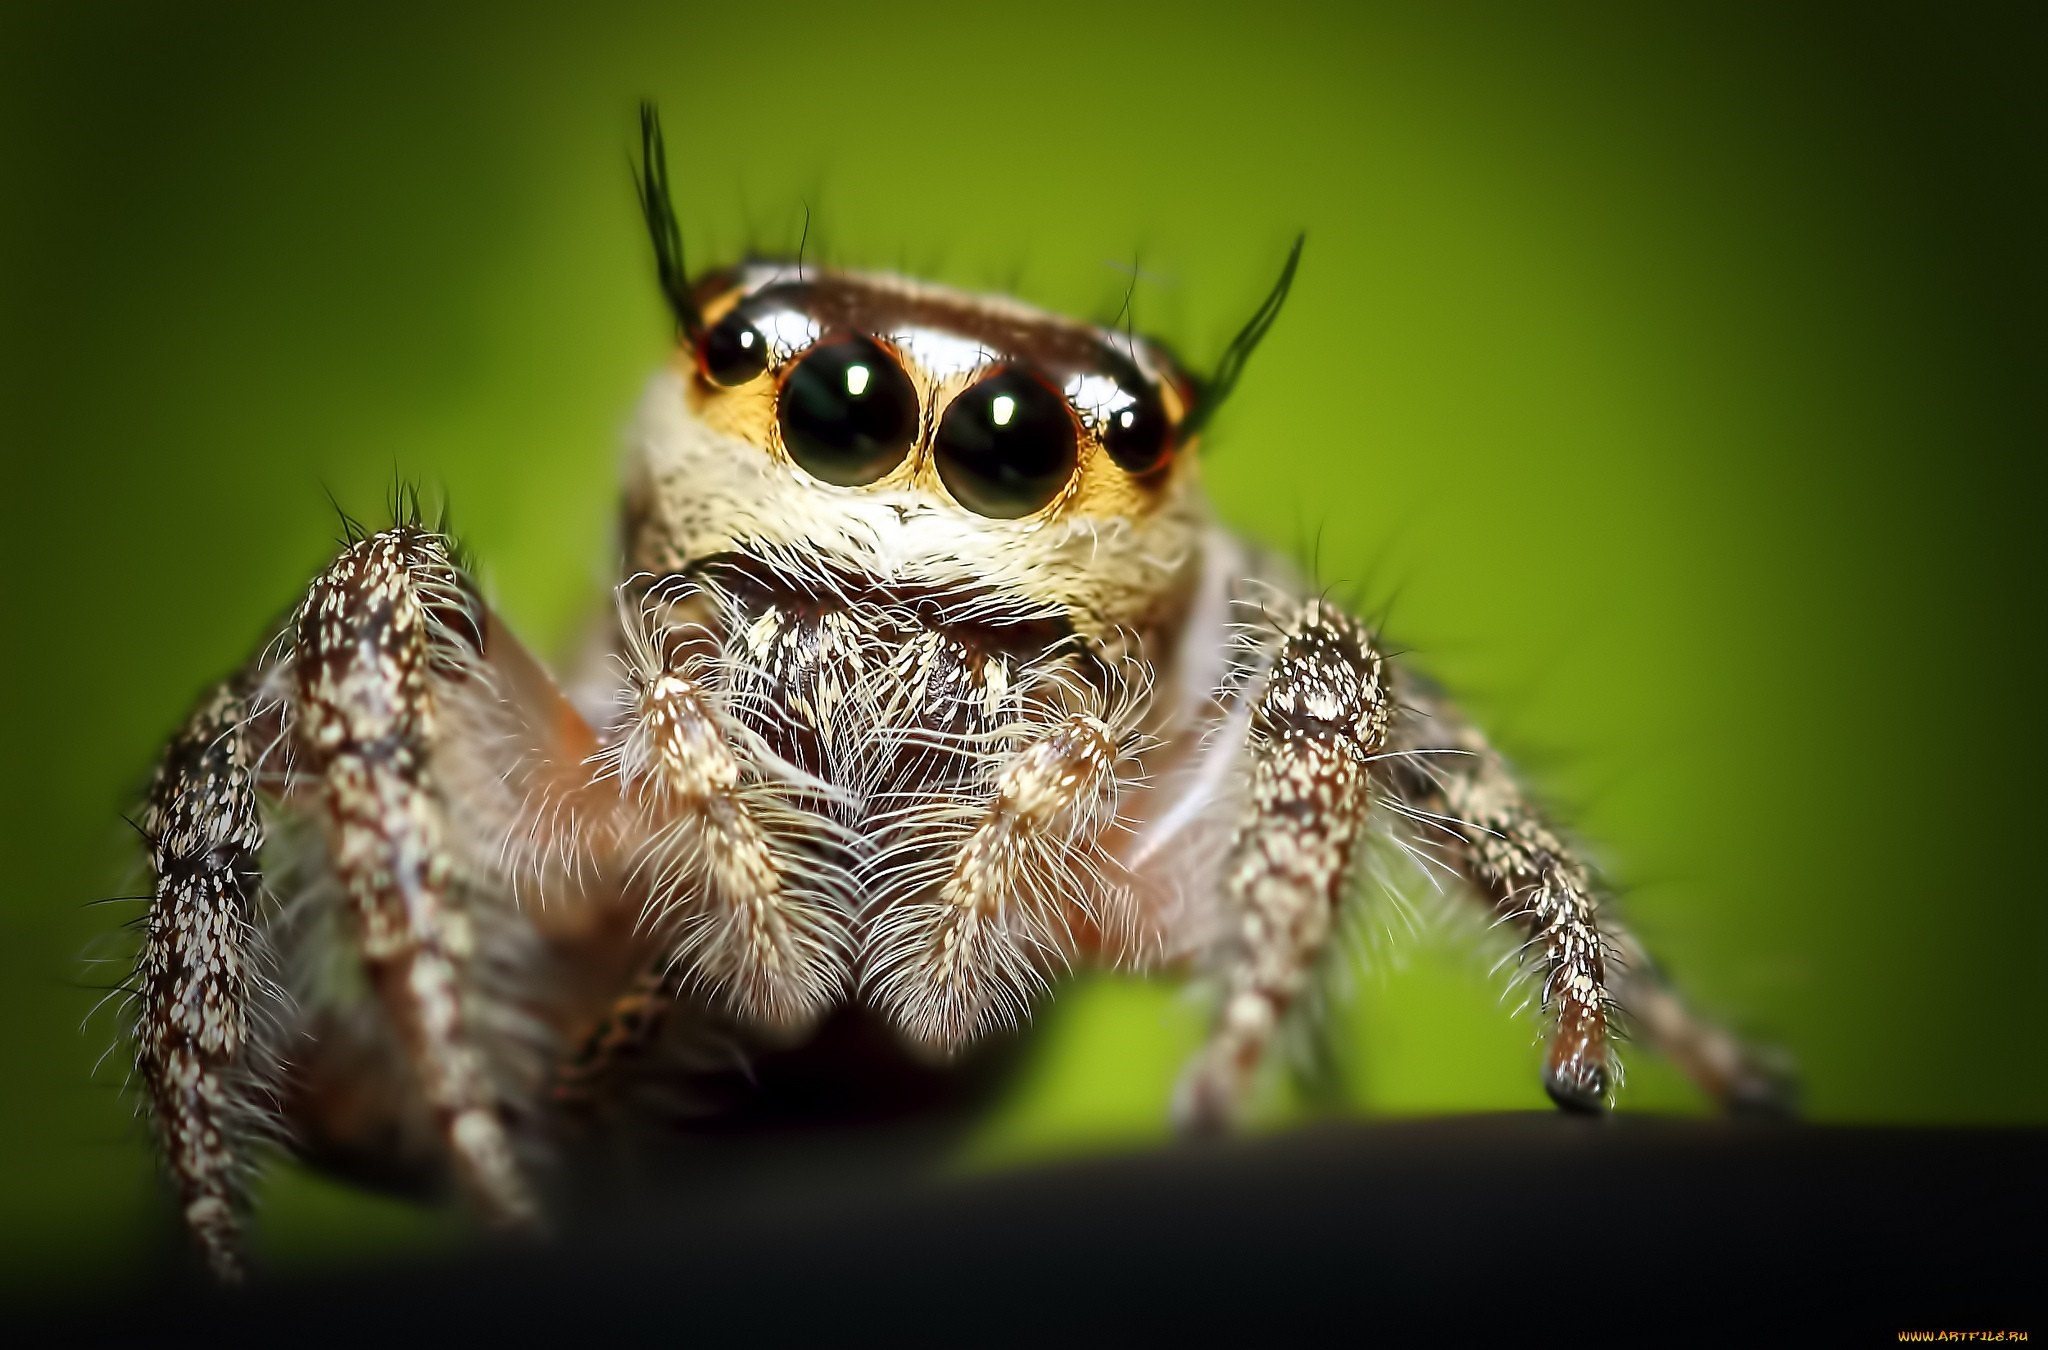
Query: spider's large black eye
[732, 350]
[1006, 446]
[848, 411]
[1135, 434]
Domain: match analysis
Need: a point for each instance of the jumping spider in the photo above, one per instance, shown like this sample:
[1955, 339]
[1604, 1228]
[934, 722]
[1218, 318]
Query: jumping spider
[931, 672]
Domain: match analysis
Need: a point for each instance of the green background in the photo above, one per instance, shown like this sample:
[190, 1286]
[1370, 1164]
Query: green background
[1671, 367]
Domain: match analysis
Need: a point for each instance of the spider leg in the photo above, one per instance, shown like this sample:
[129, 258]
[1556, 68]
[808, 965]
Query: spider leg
[737, 864]
[1315, 724]
[739, 869]
[961, 933]
[376, 715]
[381, 636]
[198, 977]
[1476, 815]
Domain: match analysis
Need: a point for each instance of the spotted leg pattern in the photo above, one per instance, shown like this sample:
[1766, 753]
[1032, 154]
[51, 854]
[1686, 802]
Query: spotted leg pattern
[199, 977]
[1315, 727]
[1472, 811]
[381, 633]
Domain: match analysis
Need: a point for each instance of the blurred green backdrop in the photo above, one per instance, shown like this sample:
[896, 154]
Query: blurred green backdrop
[1670, 365]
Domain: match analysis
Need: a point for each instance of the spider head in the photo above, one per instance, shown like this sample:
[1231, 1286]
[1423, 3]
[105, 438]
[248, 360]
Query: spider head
[916, 436]
[878, 435]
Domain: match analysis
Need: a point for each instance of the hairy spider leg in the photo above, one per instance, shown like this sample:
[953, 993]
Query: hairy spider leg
[1473, 813]
[199, 977]
[381, 629]
[1315, 725]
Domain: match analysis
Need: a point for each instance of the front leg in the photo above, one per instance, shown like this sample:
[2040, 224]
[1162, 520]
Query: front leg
[964, 931]
[739, 862]
[356, 723]
[1315, 727]
[739, 867]
[381, 637]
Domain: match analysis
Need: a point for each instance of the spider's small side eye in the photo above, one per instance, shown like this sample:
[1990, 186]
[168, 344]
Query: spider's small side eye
[732, 351]
[848, 412]
[1135, 435]
[1007, 445]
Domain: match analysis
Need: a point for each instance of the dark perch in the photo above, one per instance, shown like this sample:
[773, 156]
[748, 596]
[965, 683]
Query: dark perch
[1535, 1227]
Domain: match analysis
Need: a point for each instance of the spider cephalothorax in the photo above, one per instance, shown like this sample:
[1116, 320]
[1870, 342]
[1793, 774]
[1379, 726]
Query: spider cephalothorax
[928, 673]
[978, 448]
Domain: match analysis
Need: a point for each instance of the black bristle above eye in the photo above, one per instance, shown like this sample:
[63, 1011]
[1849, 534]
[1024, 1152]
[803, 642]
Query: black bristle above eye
[1215, 390]
[650, 180]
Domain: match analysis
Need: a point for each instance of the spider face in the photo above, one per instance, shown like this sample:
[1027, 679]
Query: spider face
[919, 438]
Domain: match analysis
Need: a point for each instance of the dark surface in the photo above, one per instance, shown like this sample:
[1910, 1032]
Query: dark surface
[1534, 1228]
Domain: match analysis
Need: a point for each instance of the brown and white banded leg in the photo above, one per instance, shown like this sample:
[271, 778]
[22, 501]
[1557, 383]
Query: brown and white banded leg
[736, 864]
[1534, 882]
[964, 947]
[381, 634]
[1476, 814]
[198, 980]
[1315, 726]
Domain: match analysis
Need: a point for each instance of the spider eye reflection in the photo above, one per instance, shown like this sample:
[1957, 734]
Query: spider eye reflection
[733, 351]
[1006, 446]
[1135, 435]
[848, 412]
